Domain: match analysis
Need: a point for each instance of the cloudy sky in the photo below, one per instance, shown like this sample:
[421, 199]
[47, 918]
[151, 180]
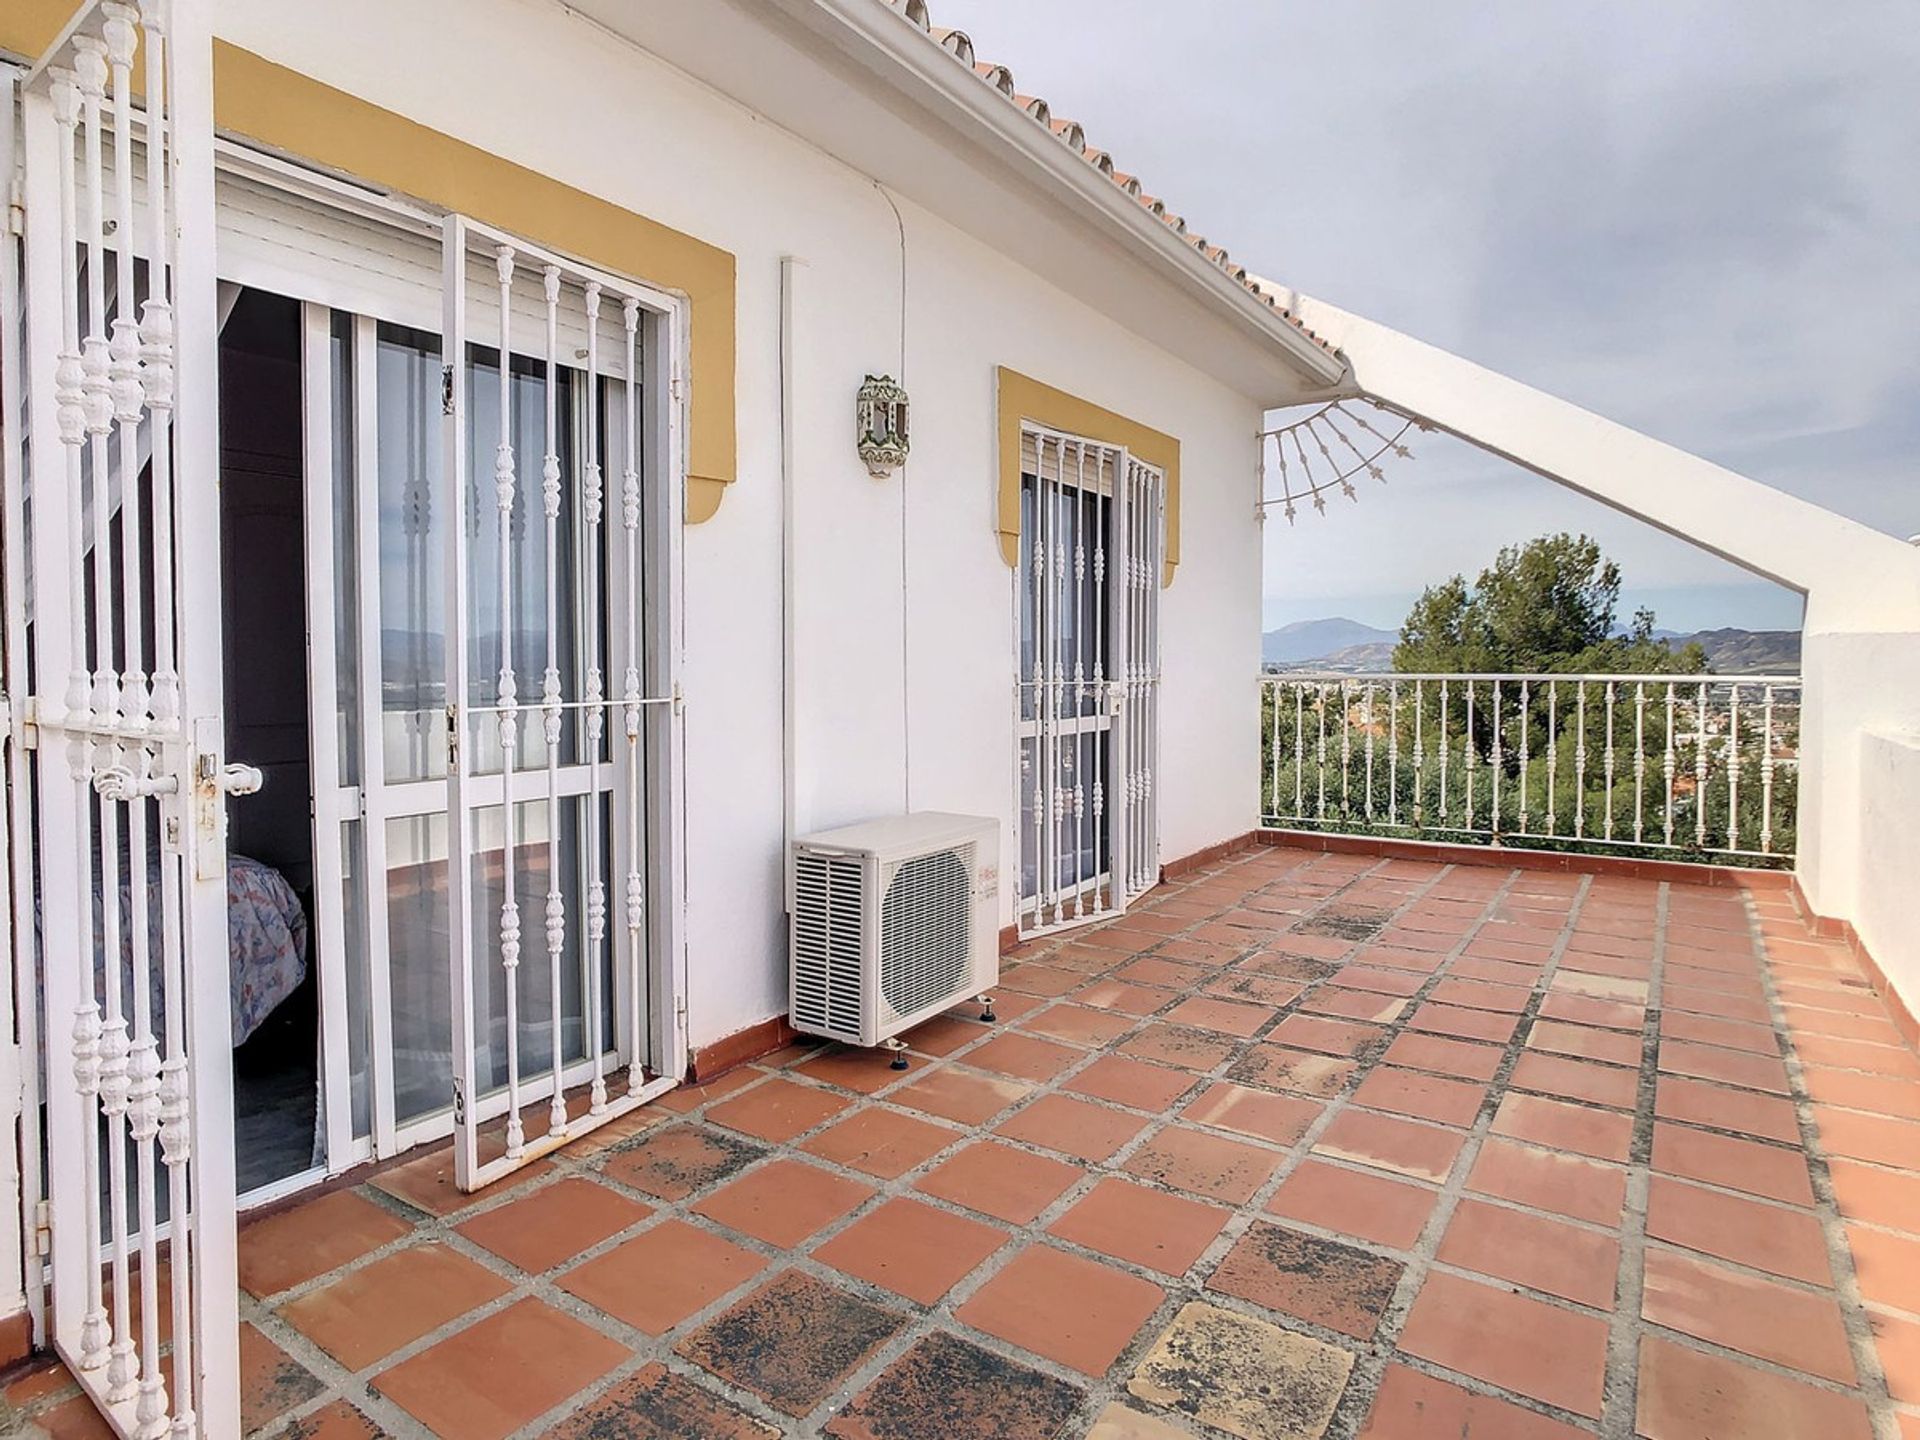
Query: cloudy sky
[1698, 217]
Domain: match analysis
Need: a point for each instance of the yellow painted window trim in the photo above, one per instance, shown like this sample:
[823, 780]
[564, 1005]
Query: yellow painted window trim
[296, 115]
[1022, 398]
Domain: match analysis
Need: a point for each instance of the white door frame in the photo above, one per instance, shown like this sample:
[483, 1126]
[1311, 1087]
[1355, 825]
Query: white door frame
[1121, 620]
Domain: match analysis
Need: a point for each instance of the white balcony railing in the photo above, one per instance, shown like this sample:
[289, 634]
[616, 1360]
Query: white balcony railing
[1680, 766]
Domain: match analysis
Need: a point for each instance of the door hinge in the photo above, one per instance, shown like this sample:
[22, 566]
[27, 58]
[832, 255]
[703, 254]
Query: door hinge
[680, 1015]
[43, 1228]
[679, 699]
[446, 389]
[453, 738]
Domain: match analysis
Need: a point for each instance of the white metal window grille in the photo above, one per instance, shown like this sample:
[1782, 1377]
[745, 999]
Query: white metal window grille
[121, 612]
[1087, 687]
[577, 673]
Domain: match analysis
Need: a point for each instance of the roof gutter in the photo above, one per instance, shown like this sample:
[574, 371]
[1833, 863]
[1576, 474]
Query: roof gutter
[885, 41]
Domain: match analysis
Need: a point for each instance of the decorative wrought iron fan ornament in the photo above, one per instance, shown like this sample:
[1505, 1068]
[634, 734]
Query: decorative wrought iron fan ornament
[880, 417]
[1346, 450]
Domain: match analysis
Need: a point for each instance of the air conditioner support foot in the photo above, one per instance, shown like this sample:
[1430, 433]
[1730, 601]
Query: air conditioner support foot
[898, 1049]
[986, 1012]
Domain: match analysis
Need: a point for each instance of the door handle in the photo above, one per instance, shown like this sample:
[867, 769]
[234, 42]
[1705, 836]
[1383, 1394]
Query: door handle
[241, 779]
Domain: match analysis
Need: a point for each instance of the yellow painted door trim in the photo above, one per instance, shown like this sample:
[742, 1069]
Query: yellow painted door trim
[1020, 397]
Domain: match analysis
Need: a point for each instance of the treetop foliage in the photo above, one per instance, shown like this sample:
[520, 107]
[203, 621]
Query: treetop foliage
[1546, 607]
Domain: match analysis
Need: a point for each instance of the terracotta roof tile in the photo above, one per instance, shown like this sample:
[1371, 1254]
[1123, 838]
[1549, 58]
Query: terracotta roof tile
[959, 45]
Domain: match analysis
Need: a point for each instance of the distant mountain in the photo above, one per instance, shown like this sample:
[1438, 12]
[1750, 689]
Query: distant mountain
[1351, 648]
[1747, 652]
[1320, 639]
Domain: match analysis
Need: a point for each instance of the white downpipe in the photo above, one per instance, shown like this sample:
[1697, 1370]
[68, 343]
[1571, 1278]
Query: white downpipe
[791, 268]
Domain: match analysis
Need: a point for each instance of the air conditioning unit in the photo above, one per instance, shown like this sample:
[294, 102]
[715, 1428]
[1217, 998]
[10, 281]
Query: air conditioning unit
[891, 922]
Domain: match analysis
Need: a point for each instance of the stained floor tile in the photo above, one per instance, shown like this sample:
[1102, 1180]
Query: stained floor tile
[1201, 1164]
[1242, 1375]
[792, 1341]
[1339, 1286]
[654, 1403]
[945, 1387]
[675, 1162]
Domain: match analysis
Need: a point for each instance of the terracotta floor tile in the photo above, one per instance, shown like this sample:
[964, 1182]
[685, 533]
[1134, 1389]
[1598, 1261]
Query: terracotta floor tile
[1130, 1222]
[1024, 1057]
[1203, 1164]
[1425, 1097]
[1577, 1009]
[685, 1099]
[1584, 1042]
[1700, 1102]
[1132, 1082]
[1893, 1060]
[1443, 1056]
[881, 1142]
[1770, 1171]
[1177, 1045]
[1348, 1038]
[1879, 1197]
[1368, 1005]
[1576, 1080]
[777, 1110]
[1001, 1181]
[1281, 1119]
[272, 1382]
[1480, 995]
[863, 1071]
[945, 1034]
[792, 1341]
[1400, 983]
[1729, 1067]
[680, 1160]
[495, 1376]
[1423, 1152]
[1078, 1025]
[1761, 1318]
[1321, 1281]
[1040, 980]
[1069, 1309]
[1533, 1250]
[554, 1223]
[1684, 1394]
[1268, 990]
[1551, 1180]
[1123, 1422]
[1122, 997]
[1354, 1202]
[1876, 1138]
[1073, 1127]
[427, 1183]
[1205, 1012]
[1563, 1125]
[911, 1249]
[1524, 1345]
[1698, 1000]
[1756, 1039]
[1600, 987]
[945, 1386]
[968, 1096]
[75, 1419]
[1767, 1237]
[1169, 974]
[653, 1403]
[1887, 1266]
[1272, 1068]
[371, 1312]
[1897, 1340]
[1462, 1023]
[1880, 1094]
[662, 1275]
[1413, 1406]
[1243, 1376]
[338, 1421]
[783, 1202]
[301, 1244]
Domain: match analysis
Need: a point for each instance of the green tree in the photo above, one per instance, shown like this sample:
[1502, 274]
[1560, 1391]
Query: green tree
[1548, 606]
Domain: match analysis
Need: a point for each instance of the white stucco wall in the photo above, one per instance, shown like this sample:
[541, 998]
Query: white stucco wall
[875, 680]
[1888, 910]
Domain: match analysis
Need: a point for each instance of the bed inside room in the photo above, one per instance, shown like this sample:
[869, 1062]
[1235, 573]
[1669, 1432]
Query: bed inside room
[276, 1014]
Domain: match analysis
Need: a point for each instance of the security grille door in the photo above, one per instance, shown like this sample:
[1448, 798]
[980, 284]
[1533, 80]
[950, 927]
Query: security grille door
[120, 610]
[561, 421]
[1091, 517]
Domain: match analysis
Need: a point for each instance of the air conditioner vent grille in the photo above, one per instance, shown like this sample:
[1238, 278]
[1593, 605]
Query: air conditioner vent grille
[925, 922]
[826, 941]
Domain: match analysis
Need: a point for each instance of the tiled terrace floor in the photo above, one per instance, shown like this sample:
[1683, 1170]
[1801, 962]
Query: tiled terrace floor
[1307, 1144]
